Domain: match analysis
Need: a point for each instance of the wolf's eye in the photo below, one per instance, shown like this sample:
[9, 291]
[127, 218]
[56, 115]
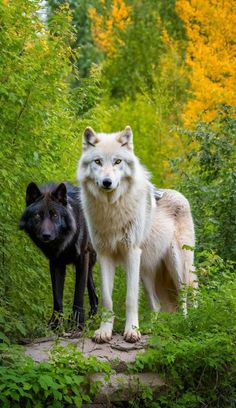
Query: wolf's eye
[98, 162]
[118, 161]
[53, 214]
[37, 217]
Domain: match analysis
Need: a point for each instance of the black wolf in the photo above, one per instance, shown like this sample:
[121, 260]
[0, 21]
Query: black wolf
[54, 220]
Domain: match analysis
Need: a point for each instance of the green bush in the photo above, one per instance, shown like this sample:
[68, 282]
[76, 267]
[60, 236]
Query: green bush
[209, 180]
[63, 381]
[196, 356]
[38, 131]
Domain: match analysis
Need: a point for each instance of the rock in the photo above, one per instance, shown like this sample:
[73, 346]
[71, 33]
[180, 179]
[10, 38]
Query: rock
[124, 387]
[118, 352]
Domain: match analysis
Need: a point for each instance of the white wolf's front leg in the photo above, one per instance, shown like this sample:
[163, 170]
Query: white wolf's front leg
[107, 271]
[132, 265]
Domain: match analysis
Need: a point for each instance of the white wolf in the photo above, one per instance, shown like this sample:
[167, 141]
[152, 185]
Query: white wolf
[132, 223]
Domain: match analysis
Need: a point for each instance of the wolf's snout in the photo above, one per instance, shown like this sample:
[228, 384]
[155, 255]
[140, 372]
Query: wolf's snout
[107, 182]
[46, 236]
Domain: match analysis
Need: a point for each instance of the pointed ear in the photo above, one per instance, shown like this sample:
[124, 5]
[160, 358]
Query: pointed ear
[126, 138]
[60, 194]
[32, 193]
[89, 138]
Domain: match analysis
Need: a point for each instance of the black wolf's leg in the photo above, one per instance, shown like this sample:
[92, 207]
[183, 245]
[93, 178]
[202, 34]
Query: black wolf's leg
[80, 285]
[93, 299]
[58, 280]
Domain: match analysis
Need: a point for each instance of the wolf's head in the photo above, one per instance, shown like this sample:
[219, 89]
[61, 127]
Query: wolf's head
[107, 163]
[46, 217]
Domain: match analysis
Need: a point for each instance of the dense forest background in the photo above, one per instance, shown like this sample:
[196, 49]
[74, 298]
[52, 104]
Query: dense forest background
[167, 69]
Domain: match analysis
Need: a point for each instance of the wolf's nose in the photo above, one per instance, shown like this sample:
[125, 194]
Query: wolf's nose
[46, 237]
[107, 182]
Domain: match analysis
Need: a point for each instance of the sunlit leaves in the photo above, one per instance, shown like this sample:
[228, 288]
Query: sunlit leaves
[107, 21]
[210, 27]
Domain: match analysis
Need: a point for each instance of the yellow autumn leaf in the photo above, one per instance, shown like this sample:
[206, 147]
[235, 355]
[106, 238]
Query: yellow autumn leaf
[211, 51]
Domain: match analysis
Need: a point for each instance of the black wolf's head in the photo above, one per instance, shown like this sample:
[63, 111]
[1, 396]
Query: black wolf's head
[47, 217]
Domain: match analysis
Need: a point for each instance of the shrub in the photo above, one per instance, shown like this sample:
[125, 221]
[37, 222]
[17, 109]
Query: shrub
[209, 180]
[37, 130]
[196, 355]
[63, 381]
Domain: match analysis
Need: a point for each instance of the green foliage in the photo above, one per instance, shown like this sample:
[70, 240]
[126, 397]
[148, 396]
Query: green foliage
[88, 53]
[209, 179]
[37, 130]
[171, 20]
[87, 93]
[137, 59]
[63, 381]
[196, 355]
[136, 66]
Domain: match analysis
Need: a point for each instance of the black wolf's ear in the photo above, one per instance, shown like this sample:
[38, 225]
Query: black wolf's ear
[60, 194]
[126, 138]
[32, 193]
[89, 138]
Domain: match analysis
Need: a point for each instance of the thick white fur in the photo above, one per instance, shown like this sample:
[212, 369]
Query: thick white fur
[129, 226]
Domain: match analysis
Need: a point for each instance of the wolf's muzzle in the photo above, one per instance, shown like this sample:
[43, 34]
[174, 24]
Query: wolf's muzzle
[107, 183]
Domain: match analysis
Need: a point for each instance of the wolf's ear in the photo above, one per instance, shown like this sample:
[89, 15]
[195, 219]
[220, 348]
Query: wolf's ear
[60, 194]
[126, 138]
[32, 193]
[89, 138]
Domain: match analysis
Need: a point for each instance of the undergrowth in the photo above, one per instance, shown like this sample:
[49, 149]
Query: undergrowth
[63, 381]
[196, 356]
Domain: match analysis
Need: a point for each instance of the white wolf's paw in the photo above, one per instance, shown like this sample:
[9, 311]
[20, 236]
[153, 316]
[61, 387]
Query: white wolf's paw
[132, 335]
[102, 335]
